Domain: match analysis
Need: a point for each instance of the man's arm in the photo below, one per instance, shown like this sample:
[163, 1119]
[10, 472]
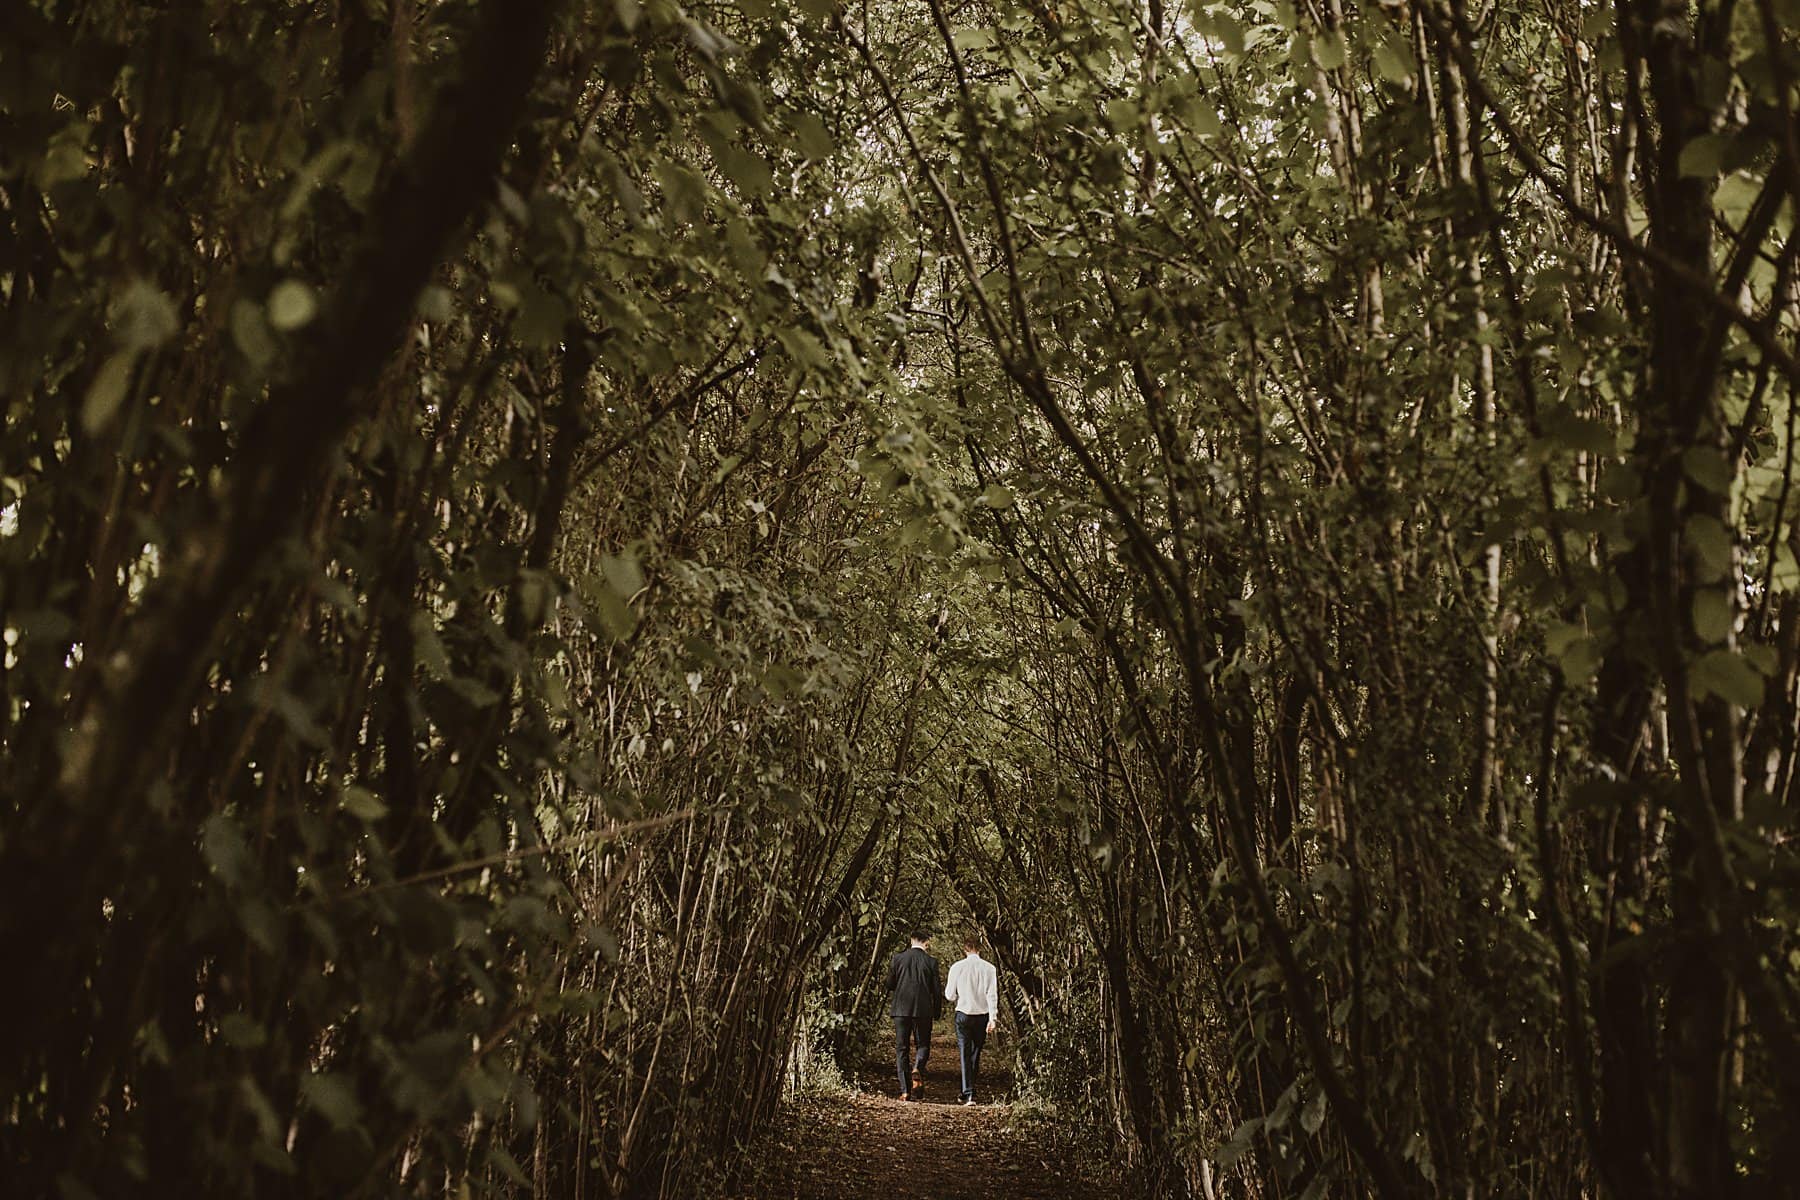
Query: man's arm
[993, 997]
[893, 975]
[950, 984]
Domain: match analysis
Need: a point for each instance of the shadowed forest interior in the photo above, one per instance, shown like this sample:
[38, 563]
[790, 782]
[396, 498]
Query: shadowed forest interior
[538, 538]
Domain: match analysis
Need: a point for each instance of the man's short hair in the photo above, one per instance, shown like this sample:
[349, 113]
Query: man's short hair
[971, 942]
[921, 935]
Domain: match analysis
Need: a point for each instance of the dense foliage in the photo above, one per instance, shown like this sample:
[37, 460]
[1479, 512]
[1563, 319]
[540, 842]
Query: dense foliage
[535, 536]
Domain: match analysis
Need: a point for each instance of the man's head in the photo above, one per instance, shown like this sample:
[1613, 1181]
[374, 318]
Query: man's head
[970, 944]
[920, 937]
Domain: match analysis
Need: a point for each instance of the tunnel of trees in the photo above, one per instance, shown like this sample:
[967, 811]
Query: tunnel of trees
[537, 535]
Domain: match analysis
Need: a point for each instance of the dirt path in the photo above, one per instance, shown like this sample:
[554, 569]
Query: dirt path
[868, 1145]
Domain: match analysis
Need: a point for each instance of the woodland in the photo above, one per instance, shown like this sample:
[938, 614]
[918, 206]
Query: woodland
[539, 537]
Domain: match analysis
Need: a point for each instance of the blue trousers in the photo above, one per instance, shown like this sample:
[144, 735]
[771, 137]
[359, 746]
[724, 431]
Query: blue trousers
[916, 1030]
[971, 1036]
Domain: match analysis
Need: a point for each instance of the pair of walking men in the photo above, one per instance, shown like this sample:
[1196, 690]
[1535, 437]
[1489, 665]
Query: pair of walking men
[973, 986]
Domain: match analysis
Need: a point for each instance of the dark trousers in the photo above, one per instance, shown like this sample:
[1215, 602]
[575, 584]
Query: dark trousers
[916, 1030]
[971, 1036]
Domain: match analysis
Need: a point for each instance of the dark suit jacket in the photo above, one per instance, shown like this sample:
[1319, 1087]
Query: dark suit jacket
[913, 978]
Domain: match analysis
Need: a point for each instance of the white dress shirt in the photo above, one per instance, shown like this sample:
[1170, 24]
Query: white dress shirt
[974, 987]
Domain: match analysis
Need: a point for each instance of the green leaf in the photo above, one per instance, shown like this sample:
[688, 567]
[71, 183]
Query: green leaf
[996, 496]
[362, 804]
[292, 305]
[1735, 195]
[1242, 1139]
[1764, 659]
[250, 332]
[107, 391]
[1584, 434]
[1230, 35]
[1712, 615]
[542, 319]
[257, 1105]
[684, 192]
[509, 1166]
[623, 574]
[436, 304]
[1199, 116]
[749, 171]
[145, 316]
[1394, 62]
[1313, 1115]
[1710, 542]
[332, 1097]
[65, 158]
[240, 1031]
[1702, 157]
[1559, 635]
[972, 38]
[222, 845]
[1122, 114]
[1785, 576]
[1223, 29]
[430, 647]
[1728, 676]
[1708, 468]
[478, 694]
[537, 591]
[610, 600]
[1328, 51]
[811, 137]
[803, 348]
[1576, 652]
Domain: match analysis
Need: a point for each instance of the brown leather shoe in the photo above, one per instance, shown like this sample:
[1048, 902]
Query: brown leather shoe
[918, 1087]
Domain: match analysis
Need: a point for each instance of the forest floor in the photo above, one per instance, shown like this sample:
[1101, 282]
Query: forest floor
[864, 1143]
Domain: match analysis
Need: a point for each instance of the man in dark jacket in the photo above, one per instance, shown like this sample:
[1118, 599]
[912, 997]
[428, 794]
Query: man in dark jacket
[913, 978]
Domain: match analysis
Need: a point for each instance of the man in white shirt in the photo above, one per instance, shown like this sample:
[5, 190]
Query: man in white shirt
[974, 987]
